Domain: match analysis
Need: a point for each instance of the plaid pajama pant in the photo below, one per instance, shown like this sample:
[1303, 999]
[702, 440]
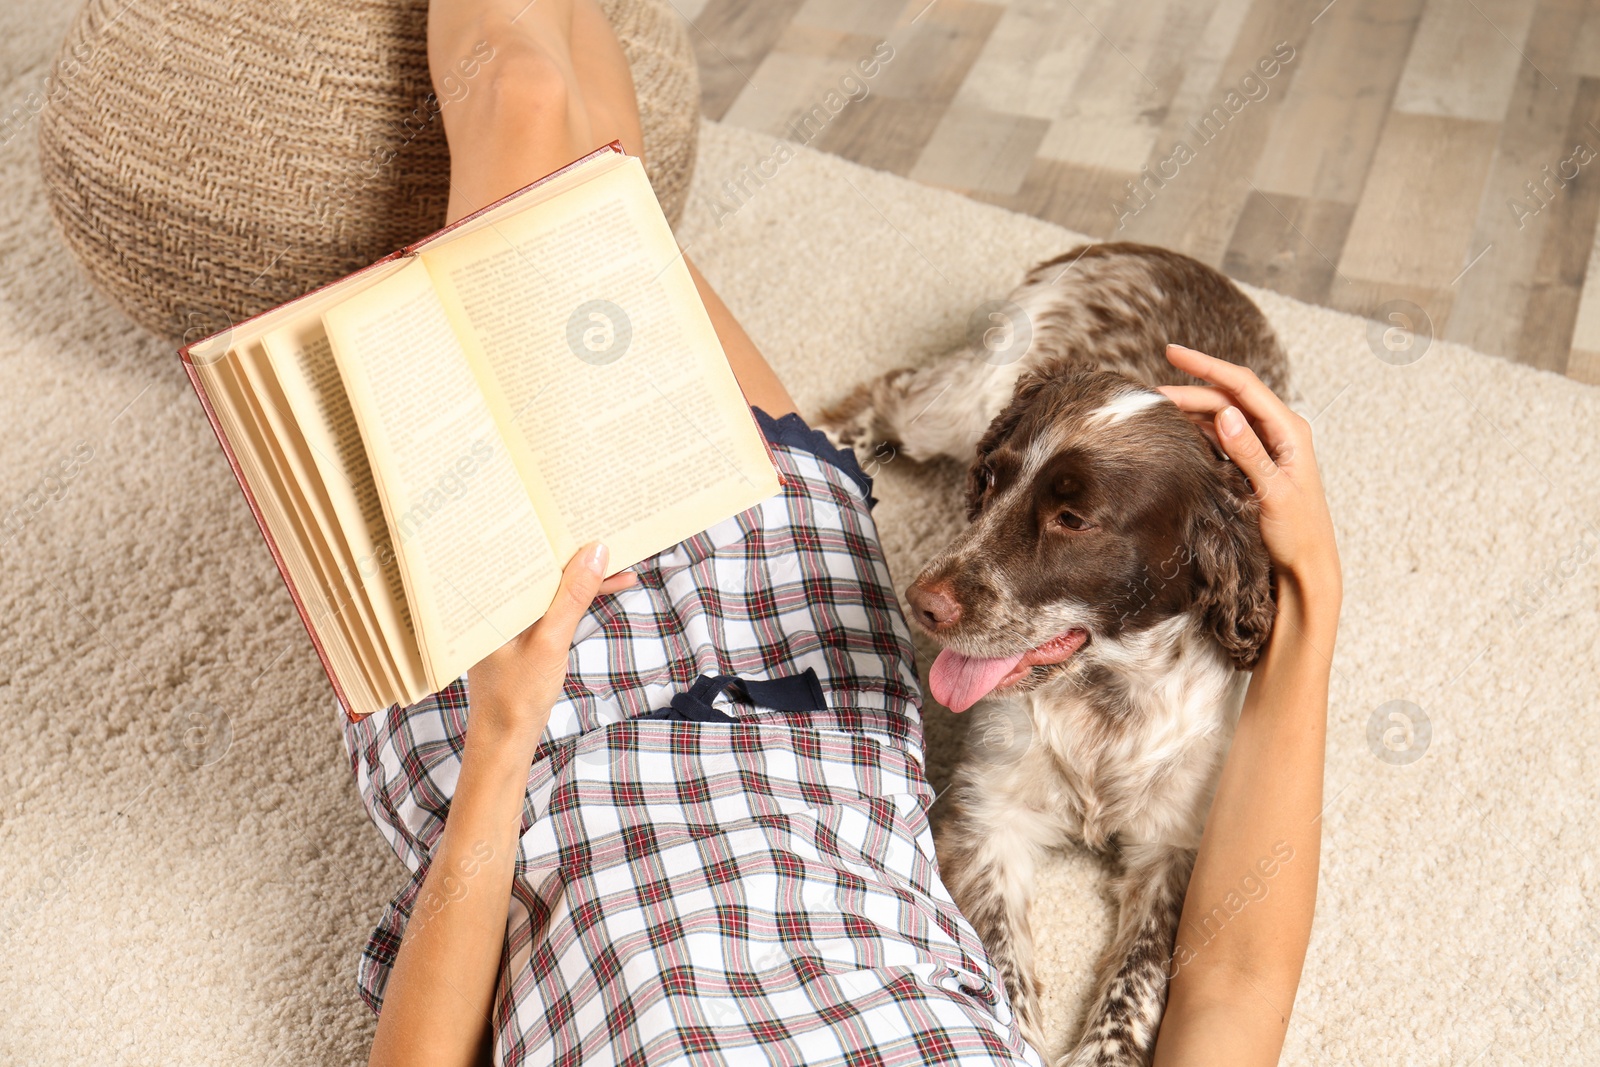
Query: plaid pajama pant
[756, 891]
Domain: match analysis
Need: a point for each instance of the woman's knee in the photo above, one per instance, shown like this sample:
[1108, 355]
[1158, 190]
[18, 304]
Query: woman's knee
[517, 90]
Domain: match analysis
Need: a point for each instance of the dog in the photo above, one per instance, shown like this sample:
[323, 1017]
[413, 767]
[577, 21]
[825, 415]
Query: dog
[1103, 604]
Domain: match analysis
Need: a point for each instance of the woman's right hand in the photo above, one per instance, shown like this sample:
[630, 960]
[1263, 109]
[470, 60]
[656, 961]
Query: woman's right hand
[1272, 445]
[513, 689]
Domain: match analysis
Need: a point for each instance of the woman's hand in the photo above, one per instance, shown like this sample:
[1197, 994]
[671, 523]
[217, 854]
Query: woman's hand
[513, 689]
[1272, 445]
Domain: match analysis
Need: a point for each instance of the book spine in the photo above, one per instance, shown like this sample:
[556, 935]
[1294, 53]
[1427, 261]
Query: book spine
[272, 545]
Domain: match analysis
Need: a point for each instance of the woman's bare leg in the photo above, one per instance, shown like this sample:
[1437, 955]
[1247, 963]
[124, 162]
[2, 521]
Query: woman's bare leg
[555, 86]
[761, 385]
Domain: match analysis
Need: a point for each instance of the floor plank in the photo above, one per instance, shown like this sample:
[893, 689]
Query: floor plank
[1336, 100]
[1133, 64]
[1197, 210]
[883, 132]
[1080, 198]
[731, 38]
[1464, 59]
[935, 52]
[1558, 275]
[977, 150]
[1584, 365]
[1033, 58]
[1415, 217]
[1288, 243]
[1513, 222]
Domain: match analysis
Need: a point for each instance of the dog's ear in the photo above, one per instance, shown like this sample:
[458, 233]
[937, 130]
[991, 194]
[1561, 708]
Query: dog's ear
[1237, 595]
[1003, 426]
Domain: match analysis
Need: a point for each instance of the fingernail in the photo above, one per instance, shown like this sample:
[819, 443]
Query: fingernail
[1230, 422]
[595, 559]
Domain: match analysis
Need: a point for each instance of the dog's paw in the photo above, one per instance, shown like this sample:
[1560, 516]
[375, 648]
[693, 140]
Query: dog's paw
[1101, 1054]
[853, 425]
[845, 435]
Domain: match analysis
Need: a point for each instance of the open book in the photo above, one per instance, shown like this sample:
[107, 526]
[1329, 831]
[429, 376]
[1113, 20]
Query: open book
[427, 441]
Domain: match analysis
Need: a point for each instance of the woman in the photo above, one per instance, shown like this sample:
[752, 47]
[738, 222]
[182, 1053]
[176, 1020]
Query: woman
[608, 868]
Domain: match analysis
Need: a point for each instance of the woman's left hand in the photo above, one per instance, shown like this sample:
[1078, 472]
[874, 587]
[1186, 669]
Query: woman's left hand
[1272, 445]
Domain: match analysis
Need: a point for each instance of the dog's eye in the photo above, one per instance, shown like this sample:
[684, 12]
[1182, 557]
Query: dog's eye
[982, 479]
[1073, 522]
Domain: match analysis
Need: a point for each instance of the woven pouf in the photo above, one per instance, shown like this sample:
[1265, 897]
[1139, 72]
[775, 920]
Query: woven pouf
[207, 159]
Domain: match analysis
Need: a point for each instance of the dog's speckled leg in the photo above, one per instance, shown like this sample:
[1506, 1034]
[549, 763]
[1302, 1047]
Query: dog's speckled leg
[938, 410]
[1131, 985]
[987, 858]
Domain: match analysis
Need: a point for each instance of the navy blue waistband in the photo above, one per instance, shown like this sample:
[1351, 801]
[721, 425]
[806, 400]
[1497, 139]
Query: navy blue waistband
[789, 692]
[793, 432]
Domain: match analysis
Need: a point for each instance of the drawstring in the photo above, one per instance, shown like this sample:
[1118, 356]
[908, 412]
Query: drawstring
[790, 692]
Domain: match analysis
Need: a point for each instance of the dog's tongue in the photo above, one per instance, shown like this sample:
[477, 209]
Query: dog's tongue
[958, 681]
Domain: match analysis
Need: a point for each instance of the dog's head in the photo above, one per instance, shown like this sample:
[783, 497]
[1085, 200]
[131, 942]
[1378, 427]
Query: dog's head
[1098, 510]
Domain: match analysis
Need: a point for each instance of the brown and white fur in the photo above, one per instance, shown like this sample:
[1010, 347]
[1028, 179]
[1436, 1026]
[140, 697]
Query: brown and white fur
[1119, 552]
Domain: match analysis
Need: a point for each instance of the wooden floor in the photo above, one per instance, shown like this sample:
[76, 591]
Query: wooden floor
[1353, 154]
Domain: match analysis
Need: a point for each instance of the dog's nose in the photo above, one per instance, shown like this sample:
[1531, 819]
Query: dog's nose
[933, 605]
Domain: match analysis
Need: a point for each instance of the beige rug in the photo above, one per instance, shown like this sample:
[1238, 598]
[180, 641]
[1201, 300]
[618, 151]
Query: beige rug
[154, 911]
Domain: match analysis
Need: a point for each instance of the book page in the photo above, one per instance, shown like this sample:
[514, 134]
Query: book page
[318, 592]
[302, 360]
[593, 347]
[303, 454]
[476, 564]
[342, 603]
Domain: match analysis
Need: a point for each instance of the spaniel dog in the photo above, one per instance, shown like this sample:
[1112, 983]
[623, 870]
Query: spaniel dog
[1102, 604]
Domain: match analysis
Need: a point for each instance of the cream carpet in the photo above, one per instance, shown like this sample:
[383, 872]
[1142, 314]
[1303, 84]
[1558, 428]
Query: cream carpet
[166, 904]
